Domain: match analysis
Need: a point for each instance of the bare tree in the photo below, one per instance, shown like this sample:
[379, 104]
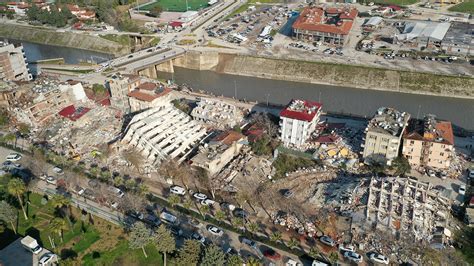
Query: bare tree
[132, 202]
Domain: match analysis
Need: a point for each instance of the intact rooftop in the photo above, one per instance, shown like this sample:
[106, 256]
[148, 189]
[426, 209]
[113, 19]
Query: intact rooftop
[301, 110]
[328, 20]
[148, 92]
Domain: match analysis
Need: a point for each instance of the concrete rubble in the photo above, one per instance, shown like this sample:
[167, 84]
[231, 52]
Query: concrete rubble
[218, 113]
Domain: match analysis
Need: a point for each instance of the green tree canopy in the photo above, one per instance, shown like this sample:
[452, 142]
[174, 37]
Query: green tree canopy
[140, 236]
[189, 253]
[17, 188]
[164, 241]
[8, 214]
[213, 256]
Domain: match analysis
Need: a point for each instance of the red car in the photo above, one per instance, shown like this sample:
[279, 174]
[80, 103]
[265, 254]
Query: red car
[272, 254]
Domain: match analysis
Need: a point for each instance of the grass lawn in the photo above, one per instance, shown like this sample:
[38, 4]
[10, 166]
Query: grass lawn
[121, 254]
[465, 7]
[177, 5]
[122, 39]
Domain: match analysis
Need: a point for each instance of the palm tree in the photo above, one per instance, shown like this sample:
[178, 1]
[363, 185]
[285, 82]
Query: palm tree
[57, 225]
[313, 252]
[275, 237]
[253, 227]
[252, 261]
[174, 199]
[187, 204]
[16, 187]
[60, 203]
[142, 189]
[220, 216]
[293, 243]
[239, 222]
[204, 210]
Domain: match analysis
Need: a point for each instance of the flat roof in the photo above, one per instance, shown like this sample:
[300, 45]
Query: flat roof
[301, 110]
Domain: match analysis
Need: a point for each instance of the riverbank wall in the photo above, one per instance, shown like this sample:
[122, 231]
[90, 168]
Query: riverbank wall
[355, 76]
[64, 39]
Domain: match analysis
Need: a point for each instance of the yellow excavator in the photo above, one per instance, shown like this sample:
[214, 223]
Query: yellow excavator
[73, 153]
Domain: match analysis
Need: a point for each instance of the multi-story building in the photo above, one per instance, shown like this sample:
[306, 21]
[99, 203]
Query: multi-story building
[328, 25]
[13, 64]
[148, 95]
[429, 143]
[120, 86]
[384, 135]
[297, 121]
[216, 154]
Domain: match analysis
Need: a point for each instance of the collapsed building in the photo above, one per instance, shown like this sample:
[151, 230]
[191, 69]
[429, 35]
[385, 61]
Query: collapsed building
[405, 205]
[219, 114]
[298, 121]
[384, 135]
[163, 132]
[429, 143]
[216, 154]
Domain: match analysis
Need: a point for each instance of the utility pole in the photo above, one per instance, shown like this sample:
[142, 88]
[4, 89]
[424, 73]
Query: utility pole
[235, 89]
[268, 95]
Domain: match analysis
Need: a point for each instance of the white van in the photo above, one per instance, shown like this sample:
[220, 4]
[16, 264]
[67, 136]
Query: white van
[178, 190]
[31, 244]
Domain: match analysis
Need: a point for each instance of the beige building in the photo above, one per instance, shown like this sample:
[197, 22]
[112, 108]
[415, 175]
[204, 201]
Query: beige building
[120, 86]
[13, 64]
[429, 143]
[384, 135]
[148, 95]
[216, 154]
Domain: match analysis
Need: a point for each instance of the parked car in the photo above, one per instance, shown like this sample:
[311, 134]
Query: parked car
[198, 237]
[175, 230]
[379, 258]
[46, 259]
[13, 157]
[327, 241]
[347, 248]
[230, 251]
[462, 189]
[215, 230]
[58, 170]
[287, 193]
[249, 242]
[178, 190]
[199, 196]
[152, 220]
[51, 180]
[357, 258]
[207, 202]
[272, 254]
[240, 213]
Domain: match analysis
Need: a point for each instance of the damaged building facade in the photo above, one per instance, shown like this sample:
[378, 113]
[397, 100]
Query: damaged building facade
[162, 133]
[217, 113]
[298, 121]
[429, 143]
[407, 206]
[383, 137]
[216, 154]
[149, 95]
[13, 64]
[120, 85]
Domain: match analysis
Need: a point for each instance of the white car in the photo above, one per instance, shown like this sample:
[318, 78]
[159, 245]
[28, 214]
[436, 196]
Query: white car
[357, 258]
[462, 189]
[215, 230]
[57, 170]
[348, 248]
[327, 241]
[46, 259]
[52, 180]
[178, 190]
[379, 258]
[199, 196]
[13, 157]
[207, 202]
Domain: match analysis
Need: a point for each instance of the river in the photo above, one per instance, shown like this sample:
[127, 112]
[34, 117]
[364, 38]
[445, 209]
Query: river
[343, 100]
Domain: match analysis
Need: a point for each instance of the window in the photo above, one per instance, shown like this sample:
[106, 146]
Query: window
[412, 142]
[441, 154]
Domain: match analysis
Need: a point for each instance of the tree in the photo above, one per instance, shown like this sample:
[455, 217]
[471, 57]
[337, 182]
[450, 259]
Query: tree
[140, 236]
[239, 222]
[164, 241]
[57, 225]
[401, 165]
[275, 236]
[234, 260]
[253, 227]
[156, 11]
[313, 252]
[262, 146]
[252, 261]
[189, 253]
[220, 215]
[174, 199]
[204, 209]
[8, 214]
[24, 129]
[293, 243]
[333, 257]
[213, 256]
[99, 89]
[9, 138]
[142, 189]
[16, 187]
[187, 204]
[62, 203]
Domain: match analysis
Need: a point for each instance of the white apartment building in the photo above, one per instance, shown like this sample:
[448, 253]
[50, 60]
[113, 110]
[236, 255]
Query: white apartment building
[297, 121]
[163, 132]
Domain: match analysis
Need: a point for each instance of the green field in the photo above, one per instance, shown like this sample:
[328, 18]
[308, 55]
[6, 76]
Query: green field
[465, 7]
[177, 5]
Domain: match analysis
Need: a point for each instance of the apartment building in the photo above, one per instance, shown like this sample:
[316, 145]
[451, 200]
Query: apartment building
[384, 135]
[297, 121]
[120, 86]
[13, 64]
[148, 95]
[429, 143]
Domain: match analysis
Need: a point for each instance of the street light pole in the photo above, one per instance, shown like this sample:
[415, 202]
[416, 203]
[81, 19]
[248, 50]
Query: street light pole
[235, 89]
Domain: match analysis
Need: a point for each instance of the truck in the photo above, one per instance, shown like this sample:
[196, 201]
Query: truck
[31, 244]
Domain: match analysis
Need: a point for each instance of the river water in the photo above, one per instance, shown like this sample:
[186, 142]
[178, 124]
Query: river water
[343, 100]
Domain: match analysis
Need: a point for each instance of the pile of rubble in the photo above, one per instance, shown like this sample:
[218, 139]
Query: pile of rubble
[292, 222]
